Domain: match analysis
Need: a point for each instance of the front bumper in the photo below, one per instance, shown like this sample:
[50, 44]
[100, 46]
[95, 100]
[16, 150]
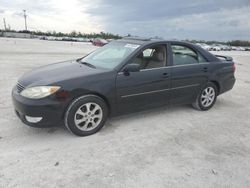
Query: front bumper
[50, 109]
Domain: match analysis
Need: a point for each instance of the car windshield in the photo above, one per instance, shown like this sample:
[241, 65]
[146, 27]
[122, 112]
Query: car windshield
[110, 55]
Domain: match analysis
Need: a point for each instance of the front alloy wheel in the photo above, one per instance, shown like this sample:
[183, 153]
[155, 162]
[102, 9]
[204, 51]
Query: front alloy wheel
[86, 115]
[206, 98]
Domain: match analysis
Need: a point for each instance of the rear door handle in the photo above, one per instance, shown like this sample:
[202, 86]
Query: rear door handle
[204, 69]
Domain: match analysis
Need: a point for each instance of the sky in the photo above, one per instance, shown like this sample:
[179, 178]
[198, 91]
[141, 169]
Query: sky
[171, 19]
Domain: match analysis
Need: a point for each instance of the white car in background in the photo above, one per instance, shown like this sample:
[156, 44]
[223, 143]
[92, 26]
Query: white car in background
[234, 48]
[241, 48]
[238, 48]
[225, 47]
[247, 48]
[216, 48]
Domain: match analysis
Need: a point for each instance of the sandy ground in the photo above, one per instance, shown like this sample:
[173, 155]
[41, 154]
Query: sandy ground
[166, 147]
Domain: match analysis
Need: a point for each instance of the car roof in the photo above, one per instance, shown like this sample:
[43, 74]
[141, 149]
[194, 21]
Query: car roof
[146, 41]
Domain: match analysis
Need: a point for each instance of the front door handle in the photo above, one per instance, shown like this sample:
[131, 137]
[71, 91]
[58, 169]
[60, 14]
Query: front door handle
[165, 75]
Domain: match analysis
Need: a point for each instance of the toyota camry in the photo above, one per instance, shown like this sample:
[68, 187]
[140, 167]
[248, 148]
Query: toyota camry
[126, 75]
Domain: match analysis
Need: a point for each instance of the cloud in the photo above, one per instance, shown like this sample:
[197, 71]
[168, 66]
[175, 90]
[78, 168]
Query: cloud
[141, 10]
[35, 7]
[50, 15]
[206, 19]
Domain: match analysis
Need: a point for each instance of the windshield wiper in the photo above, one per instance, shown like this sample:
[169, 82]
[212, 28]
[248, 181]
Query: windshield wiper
[88, 64]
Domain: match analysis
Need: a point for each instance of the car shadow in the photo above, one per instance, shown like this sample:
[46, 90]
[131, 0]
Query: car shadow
[115, 122]
[52, 131]
[112, 123]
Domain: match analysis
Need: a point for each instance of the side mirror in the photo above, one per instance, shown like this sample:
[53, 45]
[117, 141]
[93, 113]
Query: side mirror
[133, 67]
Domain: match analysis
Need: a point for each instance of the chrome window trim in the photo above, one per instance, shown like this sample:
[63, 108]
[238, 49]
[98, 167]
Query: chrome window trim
[191, 64]
[156, 91]
[173, 66]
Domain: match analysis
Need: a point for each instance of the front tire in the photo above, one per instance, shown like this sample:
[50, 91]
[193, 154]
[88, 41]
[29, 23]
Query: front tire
[206, 98]
[86, 115]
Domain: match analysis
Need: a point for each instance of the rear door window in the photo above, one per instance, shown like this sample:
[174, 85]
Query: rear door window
[183, 55]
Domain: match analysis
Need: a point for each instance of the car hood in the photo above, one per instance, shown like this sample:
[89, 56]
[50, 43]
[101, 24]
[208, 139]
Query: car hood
[57, 72]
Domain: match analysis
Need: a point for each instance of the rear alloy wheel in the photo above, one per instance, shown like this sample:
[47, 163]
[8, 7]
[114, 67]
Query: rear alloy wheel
[86, 115]
[206, 98]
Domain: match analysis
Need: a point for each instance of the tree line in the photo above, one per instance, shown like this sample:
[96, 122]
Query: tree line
[105, 35]
[76, 34]
[243, 43]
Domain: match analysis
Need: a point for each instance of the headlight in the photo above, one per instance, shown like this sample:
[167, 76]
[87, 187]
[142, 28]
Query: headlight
[39, 92]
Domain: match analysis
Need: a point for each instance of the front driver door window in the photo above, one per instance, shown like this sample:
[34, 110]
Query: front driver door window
[153, 57]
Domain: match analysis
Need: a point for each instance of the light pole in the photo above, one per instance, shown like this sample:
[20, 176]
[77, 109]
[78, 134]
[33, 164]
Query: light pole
[4, 23]
[25, 16]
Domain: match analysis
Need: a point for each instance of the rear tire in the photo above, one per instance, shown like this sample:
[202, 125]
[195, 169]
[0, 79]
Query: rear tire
[86, 115]
[206, 98]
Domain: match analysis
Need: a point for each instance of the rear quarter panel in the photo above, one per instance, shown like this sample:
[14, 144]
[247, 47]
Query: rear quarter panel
[223, 73]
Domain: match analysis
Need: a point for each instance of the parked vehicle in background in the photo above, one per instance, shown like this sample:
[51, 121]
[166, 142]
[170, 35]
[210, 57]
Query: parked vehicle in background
[123, 76]
[58, 38]
[43, 37]
[51, 38]
[82, 40]
[234, 48]
[225, 47]
[238, 48]
[241, 48]
[216, 47]
[221, 47]
[99, 42]
[247, 48]
[68, 39]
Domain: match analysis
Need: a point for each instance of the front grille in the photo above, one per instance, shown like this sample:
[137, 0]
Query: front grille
[19, 87]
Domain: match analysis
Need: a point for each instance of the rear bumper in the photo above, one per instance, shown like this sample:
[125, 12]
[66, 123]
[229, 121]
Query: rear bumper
[227, 85]
[50, 110]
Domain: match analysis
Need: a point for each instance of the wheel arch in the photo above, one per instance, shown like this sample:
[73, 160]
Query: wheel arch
[103, 98]
[217, 85]
[81, 93]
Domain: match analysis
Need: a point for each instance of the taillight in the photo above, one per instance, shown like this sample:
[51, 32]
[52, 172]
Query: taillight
[234, 67]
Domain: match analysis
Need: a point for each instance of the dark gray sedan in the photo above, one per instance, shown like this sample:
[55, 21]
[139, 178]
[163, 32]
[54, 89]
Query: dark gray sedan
[124, 76]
